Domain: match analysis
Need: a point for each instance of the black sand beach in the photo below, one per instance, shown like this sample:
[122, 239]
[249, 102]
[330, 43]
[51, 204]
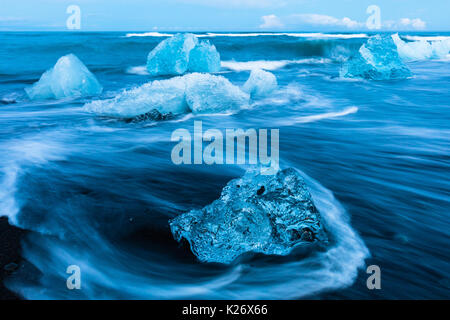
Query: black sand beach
[10, 238]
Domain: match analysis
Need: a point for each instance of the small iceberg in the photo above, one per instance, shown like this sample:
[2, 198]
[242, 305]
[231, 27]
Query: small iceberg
[377, 59]
[182, 53]
[195, 92]
[260, 83]
[68, 78]
[269, 214]
[422, 50]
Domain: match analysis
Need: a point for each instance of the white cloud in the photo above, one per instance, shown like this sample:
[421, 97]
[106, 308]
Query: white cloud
[419, 24]
[324, 20]
[405, 23]
[349, 23]
[271, 21]
[238, 3]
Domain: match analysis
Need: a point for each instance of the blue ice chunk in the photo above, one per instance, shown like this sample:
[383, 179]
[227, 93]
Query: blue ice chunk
[377, 59]
[204, 58]
[206, 93]
[171, 56]
[68, 78]
[164, 96]
[182, 53]
[260, 83]
[268, 214]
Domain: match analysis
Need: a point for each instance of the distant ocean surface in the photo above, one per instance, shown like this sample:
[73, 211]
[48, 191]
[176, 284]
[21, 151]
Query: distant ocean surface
[98, 192]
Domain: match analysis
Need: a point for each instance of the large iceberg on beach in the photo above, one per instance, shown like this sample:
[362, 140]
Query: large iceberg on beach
[182, 53]
[268, 214]
[377, 59]
[260, 83]
[195, 92]
[422, 49]
[68, 78]
[207, 93]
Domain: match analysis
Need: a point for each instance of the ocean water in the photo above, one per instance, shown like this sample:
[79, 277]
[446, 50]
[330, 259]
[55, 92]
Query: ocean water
[98, 192]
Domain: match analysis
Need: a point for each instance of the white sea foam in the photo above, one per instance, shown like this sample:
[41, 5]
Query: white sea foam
[297, 35]
[34, 150]
[139, 70]
[426, 38]
[318, 117]
[148, 34]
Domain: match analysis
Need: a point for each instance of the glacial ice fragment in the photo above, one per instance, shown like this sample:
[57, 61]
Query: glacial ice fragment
[377, 59]
[204, 58]
[164, 96]
[422, 50]
[195, 92]
[68, 78]
[171, 56]
[268, 214]
[260, 83]
[207, 93]
[182, 53]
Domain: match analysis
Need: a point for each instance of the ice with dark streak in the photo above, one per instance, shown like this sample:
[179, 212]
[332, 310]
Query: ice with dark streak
[269, 214]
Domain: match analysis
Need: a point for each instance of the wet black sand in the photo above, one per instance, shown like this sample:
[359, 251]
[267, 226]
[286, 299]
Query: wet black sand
[10, 238]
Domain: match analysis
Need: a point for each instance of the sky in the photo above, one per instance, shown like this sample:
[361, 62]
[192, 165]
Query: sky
[225, 15]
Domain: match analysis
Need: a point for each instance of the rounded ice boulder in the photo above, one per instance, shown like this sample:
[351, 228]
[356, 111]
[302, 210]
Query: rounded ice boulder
[260, 83]
[68, 78]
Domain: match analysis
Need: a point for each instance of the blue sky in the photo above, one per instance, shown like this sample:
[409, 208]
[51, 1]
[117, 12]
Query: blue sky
[226, 15]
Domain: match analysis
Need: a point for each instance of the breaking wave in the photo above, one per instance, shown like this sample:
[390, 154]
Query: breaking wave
[258, 34]
[247, 65]
[148, 34]
[269, 65]
[426, 38]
